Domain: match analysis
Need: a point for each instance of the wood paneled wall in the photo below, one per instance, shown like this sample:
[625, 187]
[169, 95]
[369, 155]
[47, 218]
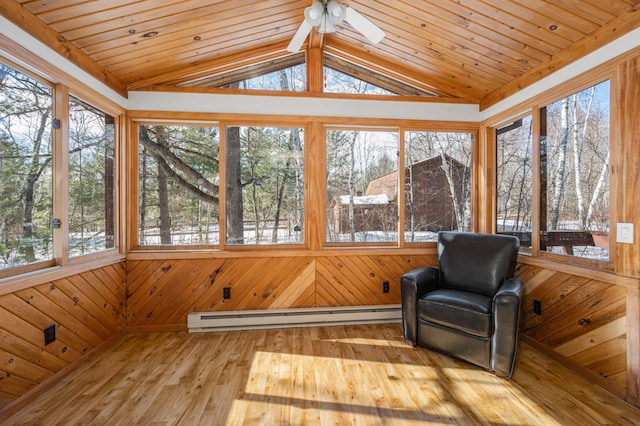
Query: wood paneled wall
[161, 293]
[89, 311]
[626, 174]
[583, 323]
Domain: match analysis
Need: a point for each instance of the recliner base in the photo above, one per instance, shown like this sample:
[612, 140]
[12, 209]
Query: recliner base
[473, 349]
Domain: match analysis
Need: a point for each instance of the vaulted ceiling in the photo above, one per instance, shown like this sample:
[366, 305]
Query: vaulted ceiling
[470, 50]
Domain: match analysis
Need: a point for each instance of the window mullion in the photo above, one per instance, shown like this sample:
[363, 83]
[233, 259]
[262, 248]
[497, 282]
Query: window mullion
[60, 154]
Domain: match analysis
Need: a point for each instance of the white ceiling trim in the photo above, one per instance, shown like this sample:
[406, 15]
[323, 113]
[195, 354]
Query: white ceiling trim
[301, 106]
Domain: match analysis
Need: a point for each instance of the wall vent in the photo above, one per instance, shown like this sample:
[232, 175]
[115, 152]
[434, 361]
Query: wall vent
[288, 318]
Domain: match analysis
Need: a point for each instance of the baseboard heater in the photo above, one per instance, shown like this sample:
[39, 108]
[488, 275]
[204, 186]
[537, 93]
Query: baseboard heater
[288, 318]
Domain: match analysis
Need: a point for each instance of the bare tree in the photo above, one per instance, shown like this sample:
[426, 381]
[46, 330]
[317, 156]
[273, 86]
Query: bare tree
[559, 176]
[234, 204]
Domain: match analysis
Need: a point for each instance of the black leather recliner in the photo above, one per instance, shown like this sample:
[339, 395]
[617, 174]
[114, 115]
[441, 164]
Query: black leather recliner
[468, 307]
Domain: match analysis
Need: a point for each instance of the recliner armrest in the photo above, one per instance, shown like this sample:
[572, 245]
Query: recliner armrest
[421, 280]
[413, 285]
[506, 318]
[511, 287]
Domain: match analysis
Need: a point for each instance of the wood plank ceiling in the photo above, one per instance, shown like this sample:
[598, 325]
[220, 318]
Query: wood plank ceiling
[463, 49]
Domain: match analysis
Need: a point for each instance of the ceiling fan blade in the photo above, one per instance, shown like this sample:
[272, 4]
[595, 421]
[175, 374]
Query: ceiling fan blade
[296, 42]
[363, 25]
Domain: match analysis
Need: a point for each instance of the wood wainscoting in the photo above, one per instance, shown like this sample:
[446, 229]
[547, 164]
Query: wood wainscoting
[582, 323]
[89, 313]
[162, 292]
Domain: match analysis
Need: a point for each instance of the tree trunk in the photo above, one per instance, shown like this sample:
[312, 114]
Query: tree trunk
[578, 141]
[234, 205]
[27, 195]
[352, 186]
[143, 198]
[162, 140]
[163, 206]
[299, 160]
[409, 189]
[559, 178]
[524, 205]
[575, 145]
[280, 195]
[596, 192]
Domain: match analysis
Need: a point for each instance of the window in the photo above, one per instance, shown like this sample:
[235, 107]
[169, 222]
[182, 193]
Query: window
[437, 184]
[574, 174]
[362, 186]
[264, 185]
[291, 79]
[178, 185]
[91, 179]
[26, 181]
[338, 82]
[514, 197]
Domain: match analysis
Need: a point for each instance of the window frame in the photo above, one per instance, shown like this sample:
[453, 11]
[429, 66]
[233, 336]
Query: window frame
[402, 128]
[134, 184]
[61, 93]
[222, 122]
[534, 167]
[116, 128]
[118, 132]
[223, 191]
[348, 244]
[473, 164]
[533, 106]
[569, 91]
[42, 264]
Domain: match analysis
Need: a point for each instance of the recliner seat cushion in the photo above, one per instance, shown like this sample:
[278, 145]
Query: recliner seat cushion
[466, 312]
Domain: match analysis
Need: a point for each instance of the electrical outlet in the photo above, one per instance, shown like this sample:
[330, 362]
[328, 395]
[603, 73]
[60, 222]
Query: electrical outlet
[49, 334]
[385, 286]
[537, 307]
[226, 293]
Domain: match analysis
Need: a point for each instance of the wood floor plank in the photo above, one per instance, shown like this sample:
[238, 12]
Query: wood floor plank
[355, 375]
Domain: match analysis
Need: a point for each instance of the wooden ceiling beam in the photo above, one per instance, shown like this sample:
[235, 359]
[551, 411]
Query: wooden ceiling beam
[607, 33]
[315, 71]
[24, 19]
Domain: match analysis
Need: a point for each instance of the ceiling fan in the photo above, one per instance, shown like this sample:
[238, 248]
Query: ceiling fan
[328, 14]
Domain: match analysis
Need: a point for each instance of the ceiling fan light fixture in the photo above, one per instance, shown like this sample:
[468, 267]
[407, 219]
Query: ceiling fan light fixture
[325, 15]
[314, 13]
[336, 12]
[326, 26]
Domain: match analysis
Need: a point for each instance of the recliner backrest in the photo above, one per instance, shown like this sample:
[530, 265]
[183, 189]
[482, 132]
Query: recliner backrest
[477, 263]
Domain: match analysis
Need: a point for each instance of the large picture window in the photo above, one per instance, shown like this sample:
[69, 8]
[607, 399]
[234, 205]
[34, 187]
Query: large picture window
[514, 180]
[26, 181]
[264, 185]
[437, 183]
[178, 185]
[574, 174]
[91, 179]
[362, 186]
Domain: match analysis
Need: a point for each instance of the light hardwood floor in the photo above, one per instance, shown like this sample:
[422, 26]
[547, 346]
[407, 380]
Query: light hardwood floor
[344, 375]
